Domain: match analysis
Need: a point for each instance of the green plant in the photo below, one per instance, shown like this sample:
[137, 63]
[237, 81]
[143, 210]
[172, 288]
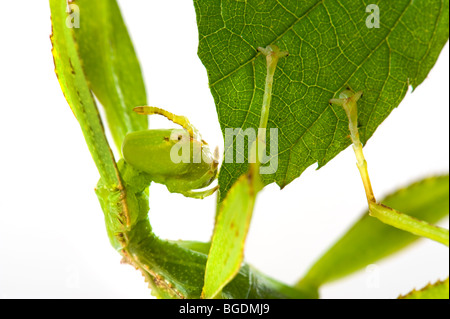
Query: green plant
[331, 47]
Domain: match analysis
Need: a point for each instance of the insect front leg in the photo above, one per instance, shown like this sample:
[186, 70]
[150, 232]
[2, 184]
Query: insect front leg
[177, 119]
[348, 100]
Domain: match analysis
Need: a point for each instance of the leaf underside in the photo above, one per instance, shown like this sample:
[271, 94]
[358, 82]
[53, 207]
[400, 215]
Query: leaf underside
[330, 48]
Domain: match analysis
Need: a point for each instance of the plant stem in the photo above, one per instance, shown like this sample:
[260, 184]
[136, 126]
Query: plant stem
[348, 101]
[410, 224]
[273, 54]
[362, 167]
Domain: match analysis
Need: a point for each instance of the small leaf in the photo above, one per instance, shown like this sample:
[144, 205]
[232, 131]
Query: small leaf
[408, 223]
[370, 240]
[227, 244]
[438, 290]
[111, 66]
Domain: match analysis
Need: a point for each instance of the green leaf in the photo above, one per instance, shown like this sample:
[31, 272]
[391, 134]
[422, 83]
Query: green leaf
[330, 48]
[172, 270]
[227, 244]
[111, 66]
[438, 290]
[370, 240]
[75, 88]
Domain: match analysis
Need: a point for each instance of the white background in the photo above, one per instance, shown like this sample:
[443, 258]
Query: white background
[53, 242]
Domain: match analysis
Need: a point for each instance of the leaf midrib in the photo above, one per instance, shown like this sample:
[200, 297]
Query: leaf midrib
[358, 67]
[264, 45]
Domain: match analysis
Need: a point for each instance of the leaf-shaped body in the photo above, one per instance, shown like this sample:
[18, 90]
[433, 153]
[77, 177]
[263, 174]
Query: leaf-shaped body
[170, 157]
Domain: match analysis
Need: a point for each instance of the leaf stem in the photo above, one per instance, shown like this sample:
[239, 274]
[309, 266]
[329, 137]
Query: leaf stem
[410, 224]
[273, 54]
[348, 100]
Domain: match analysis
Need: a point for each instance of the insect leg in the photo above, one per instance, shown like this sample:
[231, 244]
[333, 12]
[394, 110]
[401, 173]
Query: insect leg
[201, 194]
[177, 119]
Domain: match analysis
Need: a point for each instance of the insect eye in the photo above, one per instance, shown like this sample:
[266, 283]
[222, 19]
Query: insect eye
[180, 137]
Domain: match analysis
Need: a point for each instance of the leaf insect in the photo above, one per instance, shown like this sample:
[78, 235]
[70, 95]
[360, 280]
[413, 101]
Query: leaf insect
[155, 152]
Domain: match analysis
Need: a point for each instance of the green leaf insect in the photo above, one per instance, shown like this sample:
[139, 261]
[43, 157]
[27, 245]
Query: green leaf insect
[177, 158]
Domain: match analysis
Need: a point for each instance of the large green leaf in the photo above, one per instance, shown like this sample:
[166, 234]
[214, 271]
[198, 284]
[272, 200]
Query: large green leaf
[330, 47]
[370, 240]
[111, 66]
